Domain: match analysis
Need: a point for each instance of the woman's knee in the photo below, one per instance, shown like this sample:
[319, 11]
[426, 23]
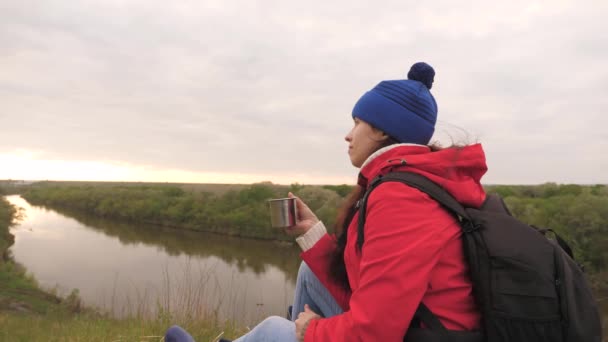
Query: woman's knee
[274, 322]
[274, 329]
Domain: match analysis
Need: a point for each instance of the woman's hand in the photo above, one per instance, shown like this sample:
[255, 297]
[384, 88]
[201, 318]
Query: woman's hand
[306, 218]
[303, 320]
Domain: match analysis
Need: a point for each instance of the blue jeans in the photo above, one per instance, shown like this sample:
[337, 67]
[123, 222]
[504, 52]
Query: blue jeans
[309, 290]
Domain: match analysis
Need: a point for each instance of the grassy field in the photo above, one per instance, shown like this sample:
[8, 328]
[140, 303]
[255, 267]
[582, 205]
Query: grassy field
[82, 327]
[28, 313]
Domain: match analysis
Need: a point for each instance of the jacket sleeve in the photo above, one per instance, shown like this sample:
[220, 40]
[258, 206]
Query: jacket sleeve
[318, 259]
[405, 232]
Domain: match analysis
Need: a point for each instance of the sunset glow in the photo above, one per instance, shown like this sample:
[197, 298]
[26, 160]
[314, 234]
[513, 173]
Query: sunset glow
[27, 165]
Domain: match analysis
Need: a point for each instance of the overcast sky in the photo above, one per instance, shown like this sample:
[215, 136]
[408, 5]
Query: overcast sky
[226, 91]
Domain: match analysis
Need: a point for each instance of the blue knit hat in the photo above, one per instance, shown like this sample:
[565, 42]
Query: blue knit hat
[403, 109]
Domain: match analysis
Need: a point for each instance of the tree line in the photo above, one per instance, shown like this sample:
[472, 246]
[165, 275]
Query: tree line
[236, 212]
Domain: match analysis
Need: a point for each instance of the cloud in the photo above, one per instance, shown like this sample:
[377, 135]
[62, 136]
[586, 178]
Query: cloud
[268, 86]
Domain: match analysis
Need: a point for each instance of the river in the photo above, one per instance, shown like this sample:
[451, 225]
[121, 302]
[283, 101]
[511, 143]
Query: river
[127, 269]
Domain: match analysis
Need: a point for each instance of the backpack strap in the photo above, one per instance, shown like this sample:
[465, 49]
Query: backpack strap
[421, 183]
[424, 315]
[560, 241]
[429, 187]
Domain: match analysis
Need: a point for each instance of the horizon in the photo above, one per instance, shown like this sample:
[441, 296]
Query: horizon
[29, 181]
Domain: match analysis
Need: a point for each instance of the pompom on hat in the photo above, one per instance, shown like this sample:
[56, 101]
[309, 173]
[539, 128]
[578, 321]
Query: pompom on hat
[404, 109]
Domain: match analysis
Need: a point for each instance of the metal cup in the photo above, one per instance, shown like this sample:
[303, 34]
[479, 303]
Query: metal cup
[283, 212]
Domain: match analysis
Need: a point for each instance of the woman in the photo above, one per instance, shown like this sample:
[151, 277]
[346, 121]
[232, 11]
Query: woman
[350, 290]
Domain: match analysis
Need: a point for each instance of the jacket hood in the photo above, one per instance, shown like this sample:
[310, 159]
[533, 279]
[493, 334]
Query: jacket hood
[458, 170]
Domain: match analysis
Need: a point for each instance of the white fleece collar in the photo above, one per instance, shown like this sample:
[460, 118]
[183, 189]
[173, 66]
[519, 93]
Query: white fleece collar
[384, 149]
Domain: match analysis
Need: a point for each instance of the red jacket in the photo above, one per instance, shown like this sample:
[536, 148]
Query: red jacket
[412, 250]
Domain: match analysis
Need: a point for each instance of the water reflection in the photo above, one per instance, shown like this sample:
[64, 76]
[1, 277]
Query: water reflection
[245, 254]
[122, 267]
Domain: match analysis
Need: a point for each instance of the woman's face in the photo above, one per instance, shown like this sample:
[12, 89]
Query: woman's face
[363, 140]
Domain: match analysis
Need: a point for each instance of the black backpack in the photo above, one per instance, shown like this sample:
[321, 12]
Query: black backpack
[527, 287]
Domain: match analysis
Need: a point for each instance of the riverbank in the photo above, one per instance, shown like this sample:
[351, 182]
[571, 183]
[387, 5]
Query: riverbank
[18, 292]
[241, 212]
[27, 313]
